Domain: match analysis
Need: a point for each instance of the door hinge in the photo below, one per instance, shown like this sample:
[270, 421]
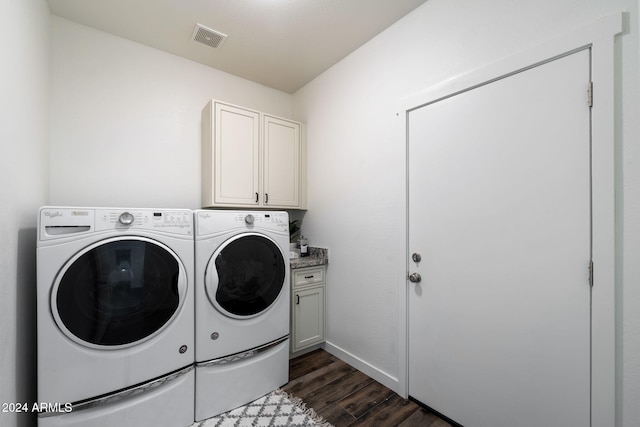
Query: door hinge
[590, 94]
[591, 273]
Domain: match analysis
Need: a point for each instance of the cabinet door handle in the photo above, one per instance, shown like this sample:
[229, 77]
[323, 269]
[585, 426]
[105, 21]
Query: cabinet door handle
[297, 299]
[266, 198]
[309, 277]
[257, 197]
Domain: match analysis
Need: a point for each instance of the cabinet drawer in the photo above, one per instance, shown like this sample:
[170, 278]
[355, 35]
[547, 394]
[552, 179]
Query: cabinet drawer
[308, 276]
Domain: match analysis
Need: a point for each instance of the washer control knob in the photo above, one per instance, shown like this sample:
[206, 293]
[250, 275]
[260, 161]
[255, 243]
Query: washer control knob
[126, 218]
[249, 219]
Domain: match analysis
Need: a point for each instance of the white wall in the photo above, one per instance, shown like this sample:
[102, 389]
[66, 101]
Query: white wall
[125, 119]
[24, 103]
[355, 168]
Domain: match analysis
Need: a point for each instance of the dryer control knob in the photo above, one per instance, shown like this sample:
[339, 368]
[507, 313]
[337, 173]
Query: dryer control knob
[126, 218]
[249, 219]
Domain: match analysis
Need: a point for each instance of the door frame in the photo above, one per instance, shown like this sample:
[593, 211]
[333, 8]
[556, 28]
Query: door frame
[599, 37]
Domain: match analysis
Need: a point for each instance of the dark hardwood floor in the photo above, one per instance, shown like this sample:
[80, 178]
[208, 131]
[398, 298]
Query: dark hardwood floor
[344, 396]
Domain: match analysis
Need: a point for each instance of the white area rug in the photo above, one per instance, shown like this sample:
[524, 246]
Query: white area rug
[275, 409]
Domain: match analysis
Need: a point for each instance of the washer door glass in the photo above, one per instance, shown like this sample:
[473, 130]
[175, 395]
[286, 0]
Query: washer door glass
[118, 292]
[249, 275]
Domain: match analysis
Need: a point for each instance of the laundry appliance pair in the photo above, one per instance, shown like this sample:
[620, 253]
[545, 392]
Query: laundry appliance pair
[158, 316]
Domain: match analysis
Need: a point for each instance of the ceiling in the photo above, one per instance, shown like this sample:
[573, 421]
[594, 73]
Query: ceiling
[283, 44]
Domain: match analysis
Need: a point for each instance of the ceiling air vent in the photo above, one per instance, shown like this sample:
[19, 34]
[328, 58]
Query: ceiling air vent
[207, 36]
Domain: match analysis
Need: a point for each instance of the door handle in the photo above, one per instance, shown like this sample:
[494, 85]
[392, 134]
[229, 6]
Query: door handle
[297, 299]
[415, 278]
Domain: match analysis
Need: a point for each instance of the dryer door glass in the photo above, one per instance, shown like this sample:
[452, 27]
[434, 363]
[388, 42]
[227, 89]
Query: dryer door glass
[251, 274]
[119, 292]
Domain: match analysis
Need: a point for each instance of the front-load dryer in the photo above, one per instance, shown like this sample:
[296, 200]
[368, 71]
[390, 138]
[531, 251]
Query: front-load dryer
[242, 307]
[115, 316]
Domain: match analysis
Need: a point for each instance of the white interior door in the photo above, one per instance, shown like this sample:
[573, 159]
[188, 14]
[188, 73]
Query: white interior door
[499, 210]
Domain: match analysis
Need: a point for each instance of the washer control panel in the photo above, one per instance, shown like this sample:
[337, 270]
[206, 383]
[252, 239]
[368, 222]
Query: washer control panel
[61, 222]
[171, 221]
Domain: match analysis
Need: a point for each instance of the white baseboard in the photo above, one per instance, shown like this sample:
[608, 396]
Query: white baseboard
[365, 367]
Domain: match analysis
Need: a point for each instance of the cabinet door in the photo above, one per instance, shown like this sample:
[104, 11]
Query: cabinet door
[236, 156]
[308, 317]
[281, 183]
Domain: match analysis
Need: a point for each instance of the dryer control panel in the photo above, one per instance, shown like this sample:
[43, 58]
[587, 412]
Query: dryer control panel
[267, 219]
[224, 221]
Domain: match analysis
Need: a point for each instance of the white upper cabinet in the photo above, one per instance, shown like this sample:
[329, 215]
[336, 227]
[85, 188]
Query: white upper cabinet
[251, 159]
[281, 150]
[235, 157]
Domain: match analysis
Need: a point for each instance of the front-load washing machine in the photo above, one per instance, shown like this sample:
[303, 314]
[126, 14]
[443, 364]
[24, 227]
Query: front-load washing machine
[115, 317]
[242, 307]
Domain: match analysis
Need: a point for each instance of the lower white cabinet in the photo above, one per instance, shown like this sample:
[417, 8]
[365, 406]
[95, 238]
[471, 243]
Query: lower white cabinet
[307, 307]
